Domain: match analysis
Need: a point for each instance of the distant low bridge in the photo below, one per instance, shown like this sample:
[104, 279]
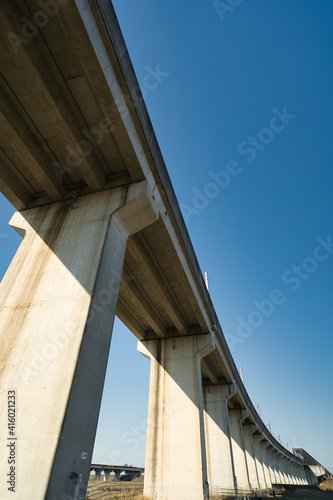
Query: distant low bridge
[117, 469]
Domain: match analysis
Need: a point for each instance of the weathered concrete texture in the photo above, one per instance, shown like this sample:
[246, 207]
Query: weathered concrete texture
[175, 465]
[270, 462]
[238, 449]
[219, 457]
[263, 446]
[256, 438]
[250, 456]
[57, 305]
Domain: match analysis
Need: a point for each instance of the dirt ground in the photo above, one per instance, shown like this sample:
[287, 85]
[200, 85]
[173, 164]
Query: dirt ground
[288, 493]
[304, 493]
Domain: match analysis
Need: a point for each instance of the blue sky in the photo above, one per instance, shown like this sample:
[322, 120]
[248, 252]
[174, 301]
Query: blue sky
[241, 103]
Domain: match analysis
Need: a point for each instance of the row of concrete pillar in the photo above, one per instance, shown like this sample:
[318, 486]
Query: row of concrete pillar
[199, 441]
[98, 475]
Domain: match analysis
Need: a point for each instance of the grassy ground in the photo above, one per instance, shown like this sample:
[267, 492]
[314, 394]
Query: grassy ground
[304, 493]
[327, 485]
[322, 492]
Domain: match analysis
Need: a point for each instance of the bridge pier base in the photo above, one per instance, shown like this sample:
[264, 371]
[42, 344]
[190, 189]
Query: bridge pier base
[117, 474]
[175, 451]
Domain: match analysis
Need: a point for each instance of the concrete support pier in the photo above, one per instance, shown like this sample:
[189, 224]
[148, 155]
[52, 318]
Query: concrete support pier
[236, 433]
[250, 455]
[57, 307]
[256, 438]
[265, 464]
[220, 463]
[175, 435]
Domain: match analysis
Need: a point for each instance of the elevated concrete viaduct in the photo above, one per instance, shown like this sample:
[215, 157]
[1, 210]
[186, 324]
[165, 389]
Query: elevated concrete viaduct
[117, 469]
[103, 235]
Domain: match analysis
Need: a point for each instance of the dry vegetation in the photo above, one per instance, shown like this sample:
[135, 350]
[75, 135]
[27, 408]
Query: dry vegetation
[327, 485]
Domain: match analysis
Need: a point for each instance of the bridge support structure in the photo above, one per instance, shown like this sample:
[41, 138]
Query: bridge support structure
[176, 465]
[58, 301]
[220, 461]
[199, 442]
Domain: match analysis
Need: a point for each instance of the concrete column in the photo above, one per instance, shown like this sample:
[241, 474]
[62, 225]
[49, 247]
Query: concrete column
[288, 473]
[298, 477]
[308, 476]
[98, 474]
[297, 474]
[284, 469]
[241, 469]
[106, 475]
[265, 464]
[175, 452]
[275, 466]
[270, 461]
[292, 472]
[275, 455]
[117, 474]
[250, 455]
[57, 306]
[288, 470]
[281, 469]
[220, 463]
[256, 438]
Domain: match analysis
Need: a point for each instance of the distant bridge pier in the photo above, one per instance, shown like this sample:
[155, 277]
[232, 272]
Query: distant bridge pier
[268, 455]
[247, 428]
[106, 475]
[278, 467]
[263, 449]
[274, 476]
[58, 302]
[256, 439]
[286, 470]
[241, 469]
[283, 470]
[175, 449]
[98, 475]
[117, 475]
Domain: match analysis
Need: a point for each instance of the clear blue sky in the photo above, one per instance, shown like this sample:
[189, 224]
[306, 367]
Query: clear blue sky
[220, 81]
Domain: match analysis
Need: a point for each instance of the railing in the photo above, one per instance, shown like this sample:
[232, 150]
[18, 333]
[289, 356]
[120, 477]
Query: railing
[101, 490]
